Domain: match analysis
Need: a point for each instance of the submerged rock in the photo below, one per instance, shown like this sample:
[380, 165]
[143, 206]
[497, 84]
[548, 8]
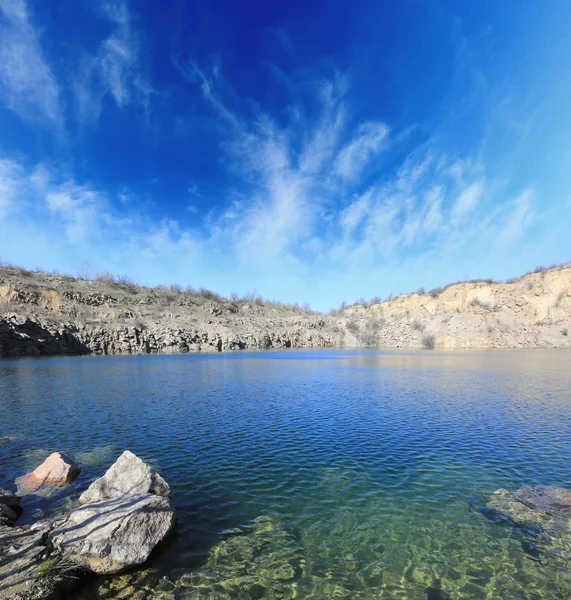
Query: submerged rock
[542, 514]
[111, 535]
[56, 470]
[128, 475]
[263, 560]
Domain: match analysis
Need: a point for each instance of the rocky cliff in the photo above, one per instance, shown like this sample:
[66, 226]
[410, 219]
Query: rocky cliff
[53, 314]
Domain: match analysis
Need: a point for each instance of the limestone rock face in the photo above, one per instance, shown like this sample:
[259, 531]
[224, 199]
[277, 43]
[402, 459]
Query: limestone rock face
[128, 475]
[50, 314]
[111, 535]
[56, 470]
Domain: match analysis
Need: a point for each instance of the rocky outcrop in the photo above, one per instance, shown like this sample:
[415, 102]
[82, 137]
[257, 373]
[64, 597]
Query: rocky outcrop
[23, 336]
[128, 475]
[56, 470]
[105, 536]
[48, 314]
[112, 535]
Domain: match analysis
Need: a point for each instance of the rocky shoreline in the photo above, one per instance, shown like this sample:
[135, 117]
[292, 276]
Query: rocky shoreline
[120, 519]
[43, 314]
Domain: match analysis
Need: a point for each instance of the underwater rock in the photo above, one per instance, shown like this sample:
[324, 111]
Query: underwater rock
[263, 560]
[56, 470]
[111, 535]
[541, 513]
[127, 475]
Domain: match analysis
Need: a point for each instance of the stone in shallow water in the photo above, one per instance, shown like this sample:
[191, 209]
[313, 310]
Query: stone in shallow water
[56, 470]
[127, 475]
[112, 535]
[263, 560]
[542, 515]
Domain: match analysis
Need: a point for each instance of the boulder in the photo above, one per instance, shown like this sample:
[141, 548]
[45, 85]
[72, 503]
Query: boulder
[56, 470]
[9, 499]
[115, 534]
[8, 516]
[128, 475]
[9, 508]
[542, 517]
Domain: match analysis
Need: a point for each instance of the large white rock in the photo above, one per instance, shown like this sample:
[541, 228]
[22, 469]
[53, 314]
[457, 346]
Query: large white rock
[127, 475]
[112, 535]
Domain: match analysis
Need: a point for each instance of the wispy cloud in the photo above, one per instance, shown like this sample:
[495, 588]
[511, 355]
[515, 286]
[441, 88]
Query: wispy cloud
[27, 84]
[9, 178]
[366, 142]
[306, 219]
[115, 70]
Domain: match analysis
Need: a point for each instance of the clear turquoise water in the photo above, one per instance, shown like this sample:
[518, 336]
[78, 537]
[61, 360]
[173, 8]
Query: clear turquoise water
[376, 463]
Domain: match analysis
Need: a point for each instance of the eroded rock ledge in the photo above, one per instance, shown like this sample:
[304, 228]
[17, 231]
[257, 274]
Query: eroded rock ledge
[51, 314]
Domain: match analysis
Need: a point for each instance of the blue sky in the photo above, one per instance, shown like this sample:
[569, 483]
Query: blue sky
[313, 151]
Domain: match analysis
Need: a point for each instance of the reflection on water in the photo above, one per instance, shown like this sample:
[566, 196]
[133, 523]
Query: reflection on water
[370, 466]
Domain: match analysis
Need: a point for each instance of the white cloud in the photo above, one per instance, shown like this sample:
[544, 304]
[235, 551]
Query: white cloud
[27, 84]
[115, 69]
[9, 176]
[468, 199]
[352, 216]
[367, 142]
[302, 222]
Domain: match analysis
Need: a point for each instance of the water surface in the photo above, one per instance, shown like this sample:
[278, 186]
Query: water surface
[376, 463]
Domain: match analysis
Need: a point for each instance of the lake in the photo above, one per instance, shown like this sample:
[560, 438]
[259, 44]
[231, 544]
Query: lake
[371, 467]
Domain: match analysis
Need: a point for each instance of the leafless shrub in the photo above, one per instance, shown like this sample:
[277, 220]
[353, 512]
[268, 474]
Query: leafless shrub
[417, 325]
[428, 342]
[209, 295]
[565, 332]
[175, 288]
[476, 302]
[559, 298]
[435, 292]
[420, 291]
[251, 295]
[352, 327]
[84, 271]
[125, 280]
[105, 276]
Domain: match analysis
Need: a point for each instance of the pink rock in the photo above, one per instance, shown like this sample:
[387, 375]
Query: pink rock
[56, 470]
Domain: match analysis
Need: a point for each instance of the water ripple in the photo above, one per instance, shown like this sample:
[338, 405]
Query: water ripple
[376, 459]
